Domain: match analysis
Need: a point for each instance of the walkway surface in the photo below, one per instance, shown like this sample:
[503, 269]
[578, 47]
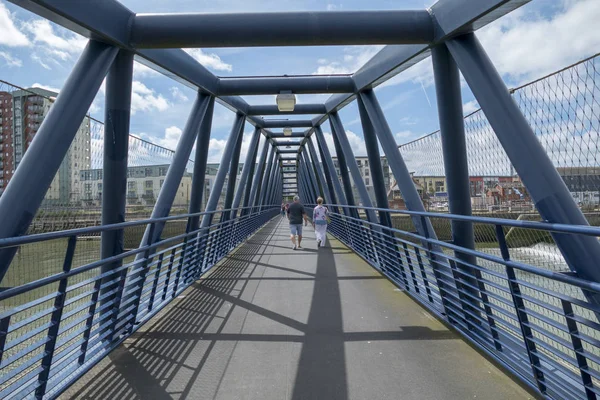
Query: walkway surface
[273, 323]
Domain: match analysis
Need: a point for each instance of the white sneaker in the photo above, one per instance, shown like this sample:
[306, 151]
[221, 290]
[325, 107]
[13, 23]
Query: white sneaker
[318, 243]
[294, 248]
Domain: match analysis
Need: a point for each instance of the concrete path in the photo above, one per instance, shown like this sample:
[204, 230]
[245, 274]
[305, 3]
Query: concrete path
[274, 323]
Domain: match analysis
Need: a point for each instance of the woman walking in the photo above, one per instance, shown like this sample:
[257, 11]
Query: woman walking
[320, 220]
[283, 209]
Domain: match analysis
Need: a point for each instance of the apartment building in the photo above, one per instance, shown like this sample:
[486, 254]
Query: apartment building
[21, 115]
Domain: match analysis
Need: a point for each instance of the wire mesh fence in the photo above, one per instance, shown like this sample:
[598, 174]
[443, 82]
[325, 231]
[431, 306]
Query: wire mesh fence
[564, 111]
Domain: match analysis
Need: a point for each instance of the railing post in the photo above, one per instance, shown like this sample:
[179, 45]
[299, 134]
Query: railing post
[114, 167]
[27, 188]
[552, 197]
[522, 317]
[449, 100]
[246, 177]
[59, 304]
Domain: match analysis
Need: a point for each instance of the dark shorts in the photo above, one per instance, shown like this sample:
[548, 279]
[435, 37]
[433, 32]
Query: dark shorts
[296, 229]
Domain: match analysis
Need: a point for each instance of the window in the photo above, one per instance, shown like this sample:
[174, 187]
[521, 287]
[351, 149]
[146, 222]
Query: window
[161, 182]
[131, 185]
[366, 172]
[149, 184]
[148, 172]
[100, 186]
[367, 181]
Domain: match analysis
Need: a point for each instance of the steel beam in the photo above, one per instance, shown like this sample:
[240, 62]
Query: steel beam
[314, 28]
[168, 191]
[27, 188]
[450, 18]
[341, 140]
[310, 187]
[234, 163]
[347, 183]
[114, 165]
[294, 143]
[282, 136]
[330, 173]
[375, 167]
[325, 187]
[309, 84]
[200, 160]
[246, 177]
[224, 167]
[258, 177]
[260, 197]
[454, 147]
[544, 184]
[286, 124]
[298, 109]
[314, 184]
[287, 151]
[388, 143]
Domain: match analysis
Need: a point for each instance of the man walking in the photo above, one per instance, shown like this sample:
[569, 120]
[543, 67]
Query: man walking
[296, 214]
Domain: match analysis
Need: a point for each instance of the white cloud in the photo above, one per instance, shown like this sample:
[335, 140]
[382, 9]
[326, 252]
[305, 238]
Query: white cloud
[402, 136]
[35, 57]
[209, 60]
[356, 142]
[144, 99]
[9, 60]
[177, 94]
[11, 36]
[142, 71]
[41, 86]
[172, 135]
[354, 58]
[215, 150]
[470, 106]
[43, 32]
[525, 46]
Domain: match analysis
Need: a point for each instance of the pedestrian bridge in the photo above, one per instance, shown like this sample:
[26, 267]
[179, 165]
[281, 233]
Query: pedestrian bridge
[214, 303]
[269, 322]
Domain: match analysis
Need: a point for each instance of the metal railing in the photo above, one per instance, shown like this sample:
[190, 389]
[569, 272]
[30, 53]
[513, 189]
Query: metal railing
[536, 322]
[55, 328]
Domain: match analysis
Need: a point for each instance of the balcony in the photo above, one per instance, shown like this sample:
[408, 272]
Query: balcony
[35, 109]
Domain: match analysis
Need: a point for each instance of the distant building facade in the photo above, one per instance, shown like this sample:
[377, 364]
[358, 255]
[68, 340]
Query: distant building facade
[21, 115]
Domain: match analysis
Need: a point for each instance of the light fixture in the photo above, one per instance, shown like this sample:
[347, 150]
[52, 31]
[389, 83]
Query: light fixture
[287, 131]
[286, 101]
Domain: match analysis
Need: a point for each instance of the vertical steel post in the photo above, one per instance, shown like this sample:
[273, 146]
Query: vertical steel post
[375, 164]
[41, 161]
[258, 176]
[311, 176]
[319, 172]
[224, 166]
[543, 182]
[347, 183]
[246, 178]
[341, 140]
[167, 194]
[234, 163]
[332, 175]
[449, 100]
[260, 196]
[327, 174]
[200, 161]
[388, 143]
[310, 188]
[269, 187]
[114, 167]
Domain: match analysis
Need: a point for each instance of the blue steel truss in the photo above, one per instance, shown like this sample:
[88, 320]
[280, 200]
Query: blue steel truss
[48, 342]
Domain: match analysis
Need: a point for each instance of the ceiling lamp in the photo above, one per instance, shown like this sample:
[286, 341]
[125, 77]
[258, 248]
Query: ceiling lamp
[286, 101]
[287, 131]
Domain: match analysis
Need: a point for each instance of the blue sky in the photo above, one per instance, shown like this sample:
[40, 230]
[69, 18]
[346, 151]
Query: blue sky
[540, 37]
